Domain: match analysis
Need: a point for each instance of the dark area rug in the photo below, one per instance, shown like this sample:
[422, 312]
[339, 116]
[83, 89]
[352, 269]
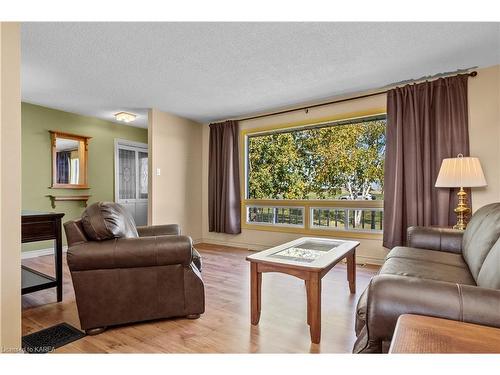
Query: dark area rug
[48, 339]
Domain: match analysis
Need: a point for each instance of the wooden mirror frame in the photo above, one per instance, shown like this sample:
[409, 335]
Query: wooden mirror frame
[83, 140]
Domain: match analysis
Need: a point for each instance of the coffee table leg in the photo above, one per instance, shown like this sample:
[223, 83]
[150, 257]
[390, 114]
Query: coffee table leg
[308, 304]
[314, 306]
[255, 290]
[351, 271]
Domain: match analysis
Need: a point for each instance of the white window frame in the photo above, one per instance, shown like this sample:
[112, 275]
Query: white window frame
[307, 205]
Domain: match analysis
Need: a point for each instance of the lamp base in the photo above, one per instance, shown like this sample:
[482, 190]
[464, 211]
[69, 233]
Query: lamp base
[462, 210]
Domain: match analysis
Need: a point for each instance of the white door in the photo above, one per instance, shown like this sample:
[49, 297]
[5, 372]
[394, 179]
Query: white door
[131, 178]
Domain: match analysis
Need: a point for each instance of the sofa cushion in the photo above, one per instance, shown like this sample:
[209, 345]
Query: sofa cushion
[481, 234]
[489, 275]
[434, 256]
[422, 263]
[427, 270]
[435, 238]
[106, 220]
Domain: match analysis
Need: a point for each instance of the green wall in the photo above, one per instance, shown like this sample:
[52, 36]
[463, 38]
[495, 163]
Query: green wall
[36, 159]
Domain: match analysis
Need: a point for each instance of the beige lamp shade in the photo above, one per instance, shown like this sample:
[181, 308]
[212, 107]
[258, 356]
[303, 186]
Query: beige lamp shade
[461, 172]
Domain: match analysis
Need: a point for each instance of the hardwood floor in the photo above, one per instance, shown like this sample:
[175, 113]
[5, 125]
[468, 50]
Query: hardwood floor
[225, 327]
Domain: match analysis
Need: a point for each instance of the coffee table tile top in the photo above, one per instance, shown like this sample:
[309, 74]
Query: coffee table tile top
[307, 252]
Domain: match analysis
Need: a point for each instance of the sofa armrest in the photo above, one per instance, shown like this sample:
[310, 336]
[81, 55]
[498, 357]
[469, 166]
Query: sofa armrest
[159, 230]
[390, 296]
[130, 253]
[441, 239]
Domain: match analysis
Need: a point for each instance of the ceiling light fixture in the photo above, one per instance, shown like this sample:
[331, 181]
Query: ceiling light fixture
[125, 116]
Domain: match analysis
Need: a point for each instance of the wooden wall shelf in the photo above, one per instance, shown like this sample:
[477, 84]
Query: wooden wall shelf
[62, 198]
[74, 187]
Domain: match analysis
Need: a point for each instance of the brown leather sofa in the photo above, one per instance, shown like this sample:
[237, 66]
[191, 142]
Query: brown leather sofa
[122, 273]
[443, 273]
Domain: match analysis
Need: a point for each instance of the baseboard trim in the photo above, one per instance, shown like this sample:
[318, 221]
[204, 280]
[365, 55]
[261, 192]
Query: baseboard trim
[242, 245]
[257, 247]
[40, 253]
[369, 260]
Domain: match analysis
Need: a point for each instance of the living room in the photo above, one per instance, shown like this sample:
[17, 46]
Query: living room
[238, 187]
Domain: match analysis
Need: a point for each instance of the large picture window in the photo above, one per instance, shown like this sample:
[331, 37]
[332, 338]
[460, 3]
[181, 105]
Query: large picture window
[326, 176]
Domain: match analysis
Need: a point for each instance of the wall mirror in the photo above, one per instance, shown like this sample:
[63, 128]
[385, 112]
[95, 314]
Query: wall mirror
[69, 160]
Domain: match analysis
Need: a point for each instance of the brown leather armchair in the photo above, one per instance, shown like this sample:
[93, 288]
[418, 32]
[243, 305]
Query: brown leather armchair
[123, 274]
[443, 273]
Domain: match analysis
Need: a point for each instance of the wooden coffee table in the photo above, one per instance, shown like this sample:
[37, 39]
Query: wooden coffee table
[309, 259]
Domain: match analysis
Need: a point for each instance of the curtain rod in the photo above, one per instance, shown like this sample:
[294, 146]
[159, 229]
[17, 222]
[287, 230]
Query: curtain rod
[385, 90]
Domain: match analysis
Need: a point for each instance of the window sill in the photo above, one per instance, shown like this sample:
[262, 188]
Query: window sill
[314, 232]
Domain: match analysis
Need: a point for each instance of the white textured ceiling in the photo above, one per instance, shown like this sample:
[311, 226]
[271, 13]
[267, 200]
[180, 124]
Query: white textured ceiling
[211, 71]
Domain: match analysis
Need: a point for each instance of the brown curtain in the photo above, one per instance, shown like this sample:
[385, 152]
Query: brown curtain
[224, 202]
[426, 122]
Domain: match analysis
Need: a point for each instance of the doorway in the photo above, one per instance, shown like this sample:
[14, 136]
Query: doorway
[131, 178]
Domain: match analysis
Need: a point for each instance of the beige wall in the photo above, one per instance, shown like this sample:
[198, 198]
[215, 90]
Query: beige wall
[370, 251]
[484, 102]
[10, 187]
[175, 195]
[484, 127]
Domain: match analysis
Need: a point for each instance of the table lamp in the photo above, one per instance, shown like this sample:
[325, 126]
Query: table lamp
[461, 172]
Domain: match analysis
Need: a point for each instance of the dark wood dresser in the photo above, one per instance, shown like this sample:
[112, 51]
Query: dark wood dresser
[42, 226]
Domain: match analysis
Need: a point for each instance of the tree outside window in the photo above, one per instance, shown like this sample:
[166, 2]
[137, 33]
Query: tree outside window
[335, 161]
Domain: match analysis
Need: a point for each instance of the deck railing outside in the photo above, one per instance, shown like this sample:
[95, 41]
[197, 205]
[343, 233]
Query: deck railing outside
[308, 216]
